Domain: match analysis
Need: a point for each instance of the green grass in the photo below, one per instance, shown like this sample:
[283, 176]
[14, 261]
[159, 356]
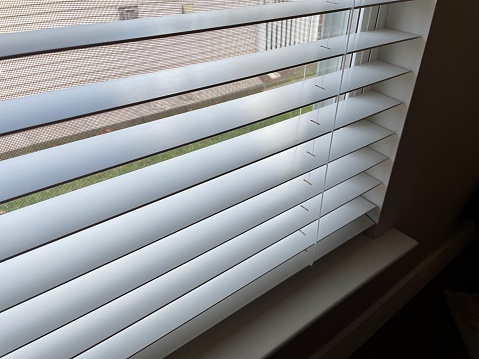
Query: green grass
[133, 166]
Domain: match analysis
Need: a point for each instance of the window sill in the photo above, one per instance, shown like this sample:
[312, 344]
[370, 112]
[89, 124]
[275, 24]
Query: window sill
[257, 330]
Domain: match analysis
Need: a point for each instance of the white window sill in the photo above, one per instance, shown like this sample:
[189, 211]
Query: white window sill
[258, 329]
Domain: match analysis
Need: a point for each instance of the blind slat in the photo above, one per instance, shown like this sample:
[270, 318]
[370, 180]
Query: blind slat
[345, 214]
[80, 36]
[346, 139]
[74, 102]
[160, 291]
[342, 235]
[288, 97]
[58, 164]
[189, 305]
[37, 270]
[286, 165]
[63, 343]
[44, 313]
[205, 296]
[49, 214]
[346, 191]
[355, 162]
[228, 306]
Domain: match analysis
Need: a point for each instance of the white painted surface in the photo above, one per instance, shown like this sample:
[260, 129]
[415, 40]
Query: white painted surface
[258, 329]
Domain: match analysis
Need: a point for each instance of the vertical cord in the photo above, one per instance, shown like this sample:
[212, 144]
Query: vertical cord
[369, 21]
[328, 34]
[343, 66]
[323, 65]
[304, 77]
[310, 29]
[374, 28]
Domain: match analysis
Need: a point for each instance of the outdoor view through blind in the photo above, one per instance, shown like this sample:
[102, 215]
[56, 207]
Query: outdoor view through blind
[162, 163]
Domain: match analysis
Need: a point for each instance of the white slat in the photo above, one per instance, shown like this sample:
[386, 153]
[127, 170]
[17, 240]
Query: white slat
[151, 184]
[304, 305]
[228, 306]
[141, 227]
[63, 163]
[346, 139]
[64, 343]
[346, 191]
[105, 322]
[82, 214]
[342, 235]
[167, 319]
[58, 39]
[345, 214]
[83, 100]
[44, 313]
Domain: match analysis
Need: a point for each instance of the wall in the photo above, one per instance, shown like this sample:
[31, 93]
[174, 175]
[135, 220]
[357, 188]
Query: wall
[437, 165]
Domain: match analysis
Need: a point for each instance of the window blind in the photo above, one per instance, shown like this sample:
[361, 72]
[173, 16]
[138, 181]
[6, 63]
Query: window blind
[144, 257]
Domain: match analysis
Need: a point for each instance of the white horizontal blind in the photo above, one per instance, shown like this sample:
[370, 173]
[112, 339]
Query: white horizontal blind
[143, 257]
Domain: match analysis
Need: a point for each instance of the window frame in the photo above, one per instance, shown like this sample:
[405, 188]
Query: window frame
[128, 12]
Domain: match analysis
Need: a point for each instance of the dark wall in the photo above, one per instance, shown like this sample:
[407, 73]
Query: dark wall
[437, 166]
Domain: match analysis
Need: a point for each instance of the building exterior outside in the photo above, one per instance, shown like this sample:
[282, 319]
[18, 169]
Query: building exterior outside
[56, 71]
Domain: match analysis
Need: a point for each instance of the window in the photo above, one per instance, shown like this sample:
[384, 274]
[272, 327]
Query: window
[188, 8]
[128, 12]
[150, 176]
